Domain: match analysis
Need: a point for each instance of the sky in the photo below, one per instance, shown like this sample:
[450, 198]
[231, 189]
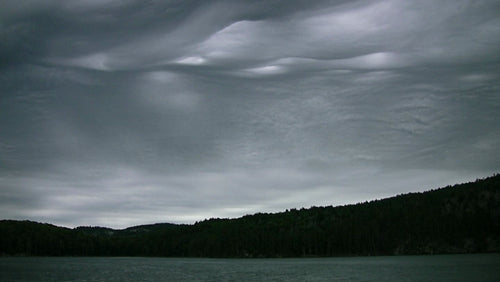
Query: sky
[126, 112]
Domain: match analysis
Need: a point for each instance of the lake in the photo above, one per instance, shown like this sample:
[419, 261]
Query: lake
[476, 267]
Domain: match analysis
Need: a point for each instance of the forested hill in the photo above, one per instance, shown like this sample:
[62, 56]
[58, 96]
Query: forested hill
[455, 219]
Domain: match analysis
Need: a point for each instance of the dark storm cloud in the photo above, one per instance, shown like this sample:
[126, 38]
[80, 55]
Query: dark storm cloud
[128, 112]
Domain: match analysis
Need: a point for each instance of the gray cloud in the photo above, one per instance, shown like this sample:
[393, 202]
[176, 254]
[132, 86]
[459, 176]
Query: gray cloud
[126, 112]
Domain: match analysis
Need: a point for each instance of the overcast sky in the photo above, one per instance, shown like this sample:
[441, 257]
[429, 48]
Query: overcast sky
[126, 112]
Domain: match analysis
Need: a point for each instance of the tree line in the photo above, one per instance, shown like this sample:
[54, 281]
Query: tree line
[455, 219]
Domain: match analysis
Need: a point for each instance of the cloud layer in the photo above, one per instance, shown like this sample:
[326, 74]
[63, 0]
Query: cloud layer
[127, 112]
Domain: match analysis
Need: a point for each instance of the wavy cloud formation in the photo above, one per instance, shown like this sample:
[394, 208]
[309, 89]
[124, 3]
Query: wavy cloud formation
[124, 112]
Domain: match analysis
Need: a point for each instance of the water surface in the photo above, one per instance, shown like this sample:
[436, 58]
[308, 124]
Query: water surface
[478, 267]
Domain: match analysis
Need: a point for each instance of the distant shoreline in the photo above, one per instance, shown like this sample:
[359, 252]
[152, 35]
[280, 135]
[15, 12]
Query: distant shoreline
[458, 219]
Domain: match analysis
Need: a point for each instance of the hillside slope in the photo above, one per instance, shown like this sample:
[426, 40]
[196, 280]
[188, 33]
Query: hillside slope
[456, 219]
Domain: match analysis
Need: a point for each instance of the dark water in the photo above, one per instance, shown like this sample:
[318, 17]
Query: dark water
[483, 267]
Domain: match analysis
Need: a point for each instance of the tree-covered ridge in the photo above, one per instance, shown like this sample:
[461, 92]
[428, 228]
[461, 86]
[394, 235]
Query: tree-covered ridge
[455, 219]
